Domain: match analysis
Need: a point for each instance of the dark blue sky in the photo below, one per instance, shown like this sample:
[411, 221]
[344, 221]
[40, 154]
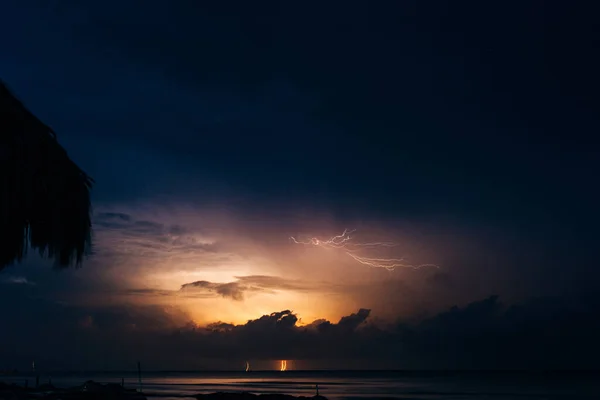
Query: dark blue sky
[476, 116]
[472, 110]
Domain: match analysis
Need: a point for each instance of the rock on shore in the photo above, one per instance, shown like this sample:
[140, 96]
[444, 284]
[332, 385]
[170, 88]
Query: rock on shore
[91, 390]
[88, 391]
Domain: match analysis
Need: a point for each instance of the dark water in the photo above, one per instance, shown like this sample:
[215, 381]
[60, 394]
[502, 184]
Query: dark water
[356, 385]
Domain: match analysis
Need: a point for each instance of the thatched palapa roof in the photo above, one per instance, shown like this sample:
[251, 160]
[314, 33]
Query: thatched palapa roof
[44, 195]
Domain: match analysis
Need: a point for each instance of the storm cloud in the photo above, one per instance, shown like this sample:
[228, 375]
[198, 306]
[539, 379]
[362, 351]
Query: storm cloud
[454, 131]
[539, 333]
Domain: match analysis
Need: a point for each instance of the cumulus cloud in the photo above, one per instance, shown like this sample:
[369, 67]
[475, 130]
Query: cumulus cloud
[540, 333]
[351, 322]
[482, 334]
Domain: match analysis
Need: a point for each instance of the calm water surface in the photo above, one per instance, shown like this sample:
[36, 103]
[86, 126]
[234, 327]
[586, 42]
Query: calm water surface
[355, 385]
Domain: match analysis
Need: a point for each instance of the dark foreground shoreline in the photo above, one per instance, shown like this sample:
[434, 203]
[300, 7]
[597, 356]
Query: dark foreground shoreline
[91, 390]
[251, 396]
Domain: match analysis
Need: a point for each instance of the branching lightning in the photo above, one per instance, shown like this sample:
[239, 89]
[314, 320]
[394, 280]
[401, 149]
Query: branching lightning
[344, 242]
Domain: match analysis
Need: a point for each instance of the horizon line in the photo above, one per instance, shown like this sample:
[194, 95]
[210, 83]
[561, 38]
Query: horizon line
[7, 372]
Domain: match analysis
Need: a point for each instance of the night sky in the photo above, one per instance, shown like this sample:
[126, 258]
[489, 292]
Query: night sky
[462, 132]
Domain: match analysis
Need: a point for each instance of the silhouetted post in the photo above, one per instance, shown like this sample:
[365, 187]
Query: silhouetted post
[140, 376]
[317, 389]
[50, 381]
[26, 383]
[37, 381]
[122, 382]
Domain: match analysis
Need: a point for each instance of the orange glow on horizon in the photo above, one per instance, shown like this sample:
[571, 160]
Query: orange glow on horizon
[247, 268]
[307, 308]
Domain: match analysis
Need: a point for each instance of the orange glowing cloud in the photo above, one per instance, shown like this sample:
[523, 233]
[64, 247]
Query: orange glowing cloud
[217, 266]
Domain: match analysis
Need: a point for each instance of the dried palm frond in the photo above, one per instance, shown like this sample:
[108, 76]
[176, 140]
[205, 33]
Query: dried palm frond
[44, 195]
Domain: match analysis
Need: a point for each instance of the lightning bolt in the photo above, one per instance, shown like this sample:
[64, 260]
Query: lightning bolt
[344, 242]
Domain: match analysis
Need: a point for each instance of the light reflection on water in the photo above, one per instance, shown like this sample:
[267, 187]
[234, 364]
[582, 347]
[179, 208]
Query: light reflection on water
[355, 385]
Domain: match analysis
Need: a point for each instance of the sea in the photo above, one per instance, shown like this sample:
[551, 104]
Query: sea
[351, 385]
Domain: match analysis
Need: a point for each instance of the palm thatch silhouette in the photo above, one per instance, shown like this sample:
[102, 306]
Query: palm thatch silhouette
[44, 195]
